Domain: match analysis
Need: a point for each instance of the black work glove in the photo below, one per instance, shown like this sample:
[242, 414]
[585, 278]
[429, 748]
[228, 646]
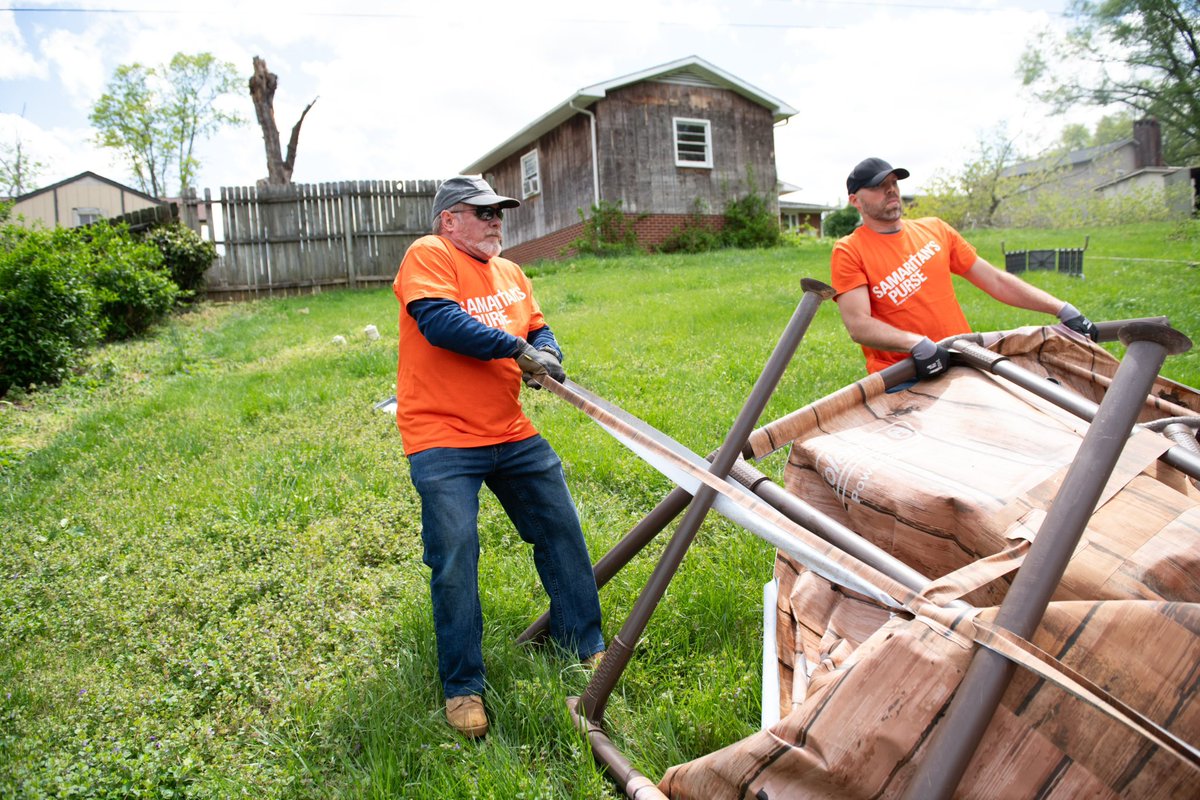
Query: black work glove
[1070, 316]
[538, 362]
[930, 359]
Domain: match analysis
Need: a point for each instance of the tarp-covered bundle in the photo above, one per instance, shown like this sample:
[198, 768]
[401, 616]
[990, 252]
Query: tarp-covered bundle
[944, 475]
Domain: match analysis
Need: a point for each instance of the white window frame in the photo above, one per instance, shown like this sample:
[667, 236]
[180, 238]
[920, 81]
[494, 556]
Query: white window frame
[86, 216]
[531, 179]
[689, 142]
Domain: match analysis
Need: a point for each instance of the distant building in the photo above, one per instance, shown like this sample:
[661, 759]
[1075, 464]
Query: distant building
[1127, 167]
[79, 200]
[665, 143]
[797, 214]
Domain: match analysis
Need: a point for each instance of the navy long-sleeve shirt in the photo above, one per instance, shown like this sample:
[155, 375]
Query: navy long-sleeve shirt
[444, 323]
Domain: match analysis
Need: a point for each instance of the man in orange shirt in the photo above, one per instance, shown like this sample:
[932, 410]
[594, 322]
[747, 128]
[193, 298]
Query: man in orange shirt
[893, 284]
[470, 330]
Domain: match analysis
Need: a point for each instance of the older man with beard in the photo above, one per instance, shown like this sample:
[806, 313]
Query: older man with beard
[470, 330]
[892, 278]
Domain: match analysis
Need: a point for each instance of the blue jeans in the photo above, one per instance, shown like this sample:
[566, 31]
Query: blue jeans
[527, 477]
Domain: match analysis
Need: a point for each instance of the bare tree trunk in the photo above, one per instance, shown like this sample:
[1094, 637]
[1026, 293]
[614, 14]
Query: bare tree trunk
[262, 91]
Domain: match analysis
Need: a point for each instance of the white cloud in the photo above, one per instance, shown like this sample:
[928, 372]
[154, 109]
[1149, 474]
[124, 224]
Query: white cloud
[18, 60]
[412, 90]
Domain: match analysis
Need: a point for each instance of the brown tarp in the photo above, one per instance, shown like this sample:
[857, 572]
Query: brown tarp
[943, 475]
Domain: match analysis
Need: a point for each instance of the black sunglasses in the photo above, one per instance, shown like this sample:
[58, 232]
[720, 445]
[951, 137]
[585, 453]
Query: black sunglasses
[484, 213]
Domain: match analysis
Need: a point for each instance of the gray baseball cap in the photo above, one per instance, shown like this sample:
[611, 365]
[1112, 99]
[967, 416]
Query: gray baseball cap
[472, 191]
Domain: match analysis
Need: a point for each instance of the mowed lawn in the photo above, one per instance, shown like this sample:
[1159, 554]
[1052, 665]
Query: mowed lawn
[211, 582]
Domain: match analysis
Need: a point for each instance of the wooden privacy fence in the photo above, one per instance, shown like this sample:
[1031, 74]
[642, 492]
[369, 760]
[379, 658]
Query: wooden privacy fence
[305, 237]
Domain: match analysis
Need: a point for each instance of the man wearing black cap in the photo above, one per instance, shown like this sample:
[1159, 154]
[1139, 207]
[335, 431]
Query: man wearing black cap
[892, 278]
[470, 331]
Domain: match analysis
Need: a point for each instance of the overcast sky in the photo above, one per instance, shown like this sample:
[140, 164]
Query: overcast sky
[420, 90]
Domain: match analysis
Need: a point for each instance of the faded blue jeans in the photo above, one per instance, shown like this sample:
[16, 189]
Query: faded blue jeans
[527, 477]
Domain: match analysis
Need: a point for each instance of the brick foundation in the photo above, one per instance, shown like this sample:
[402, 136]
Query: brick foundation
[651, 230]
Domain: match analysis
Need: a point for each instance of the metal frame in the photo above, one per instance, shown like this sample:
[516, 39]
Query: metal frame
[1149, 341]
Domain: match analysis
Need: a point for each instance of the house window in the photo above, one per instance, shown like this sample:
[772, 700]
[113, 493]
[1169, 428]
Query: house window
[86, 216]
[693, 145]
[531, 180]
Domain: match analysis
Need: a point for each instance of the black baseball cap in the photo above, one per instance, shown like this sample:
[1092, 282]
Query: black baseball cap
[871, 172]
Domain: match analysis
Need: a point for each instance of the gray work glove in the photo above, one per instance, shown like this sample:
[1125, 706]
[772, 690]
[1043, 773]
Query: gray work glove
[1070, 316]
[538, 361]
[929, 358]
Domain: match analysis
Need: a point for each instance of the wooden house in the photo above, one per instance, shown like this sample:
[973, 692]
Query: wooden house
[79, 200]
[671, 144]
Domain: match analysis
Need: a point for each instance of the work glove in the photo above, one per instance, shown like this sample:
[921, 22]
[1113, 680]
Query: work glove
[930, 359]
[1070, 316]
[538, 361]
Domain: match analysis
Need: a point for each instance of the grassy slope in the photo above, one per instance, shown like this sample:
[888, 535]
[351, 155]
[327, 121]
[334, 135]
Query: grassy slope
[212, 579]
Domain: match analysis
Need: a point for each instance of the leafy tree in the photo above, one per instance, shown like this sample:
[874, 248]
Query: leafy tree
[842, 222]
[1113, 128]
[18, 172]
[1142, 54]
[154, 115]
[972, 196]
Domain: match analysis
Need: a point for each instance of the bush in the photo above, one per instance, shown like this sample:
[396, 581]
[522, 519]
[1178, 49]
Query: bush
[697, 235]
[842, 222]
[749, 222]
[185, 255]
[63, 290]
[132, 289]
[607, 232]
[47, 306]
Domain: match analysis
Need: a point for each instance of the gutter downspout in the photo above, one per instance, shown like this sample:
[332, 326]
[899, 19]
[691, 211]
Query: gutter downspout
[595, 159]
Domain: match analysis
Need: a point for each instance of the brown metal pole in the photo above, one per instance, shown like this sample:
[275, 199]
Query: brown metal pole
[957, 736]
[595, 697]
[830, 529]
[623, 551]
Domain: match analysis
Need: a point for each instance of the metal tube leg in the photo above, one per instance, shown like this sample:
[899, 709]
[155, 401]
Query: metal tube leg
[595, 698]
[623, 551]
[959, 733]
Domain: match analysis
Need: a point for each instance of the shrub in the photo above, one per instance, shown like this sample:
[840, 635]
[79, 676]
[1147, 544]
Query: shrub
[132, 289]
[607, 232]
[696, 235]
[63, 290]
[185, 255]
[842, 222]
[749, 222]
[47, 306]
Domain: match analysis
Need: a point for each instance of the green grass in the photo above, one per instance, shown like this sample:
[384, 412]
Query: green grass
[211, 575]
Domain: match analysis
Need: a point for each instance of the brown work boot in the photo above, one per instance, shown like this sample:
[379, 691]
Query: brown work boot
[593, 661]
[466, 715]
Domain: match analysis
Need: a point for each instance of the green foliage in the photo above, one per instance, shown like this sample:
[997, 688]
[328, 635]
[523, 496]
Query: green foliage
[18, 171]
[132, 290]
[155, 115]
[1141, 54]
[185, 255]
[47, 307]
[698, 234]
[750, 223]
[61, 290]
[842, 222]
[608, 231]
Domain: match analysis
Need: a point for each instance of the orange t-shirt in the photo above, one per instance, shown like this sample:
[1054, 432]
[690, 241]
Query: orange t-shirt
[444, 399]
[907, 275]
